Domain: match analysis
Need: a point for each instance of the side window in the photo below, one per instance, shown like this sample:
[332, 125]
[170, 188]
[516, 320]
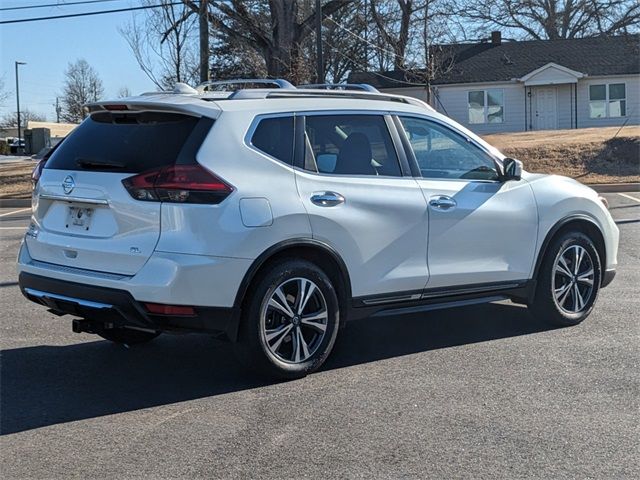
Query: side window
[274, 136]
[443, 153]
[350, 145]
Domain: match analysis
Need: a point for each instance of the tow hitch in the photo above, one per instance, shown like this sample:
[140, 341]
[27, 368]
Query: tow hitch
[90, 326]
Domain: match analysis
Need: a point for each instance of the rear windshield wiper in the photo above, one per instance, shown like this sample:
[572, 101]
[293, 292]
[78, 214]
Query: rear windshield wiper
[88, 163]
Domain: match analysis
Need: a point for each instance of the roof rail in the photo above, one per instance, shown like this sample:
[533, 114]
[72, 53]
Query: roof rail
[264, 93]
[335, 94]
[277, 82]
[340, 86]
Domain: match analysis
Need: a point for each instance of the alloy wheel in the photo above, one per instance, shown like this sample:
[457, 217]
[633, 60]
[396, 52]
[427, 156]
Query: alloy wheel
[573, 279]
[294, 320]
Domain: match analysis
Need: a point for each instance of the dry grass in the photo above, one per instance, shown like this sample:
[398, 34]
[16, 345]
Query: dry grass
[15, 179]
[591, 155]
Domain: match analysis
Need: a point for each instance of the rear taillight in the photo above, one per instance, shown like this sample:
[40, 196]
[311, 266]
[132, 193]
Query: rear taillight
[37, 172]
[163, 309]
[178, 184]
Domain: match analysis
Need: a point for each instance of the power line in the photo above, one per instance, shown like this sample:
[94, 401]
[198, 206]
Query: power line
[86, 14]
[353, 34]
[56, 5]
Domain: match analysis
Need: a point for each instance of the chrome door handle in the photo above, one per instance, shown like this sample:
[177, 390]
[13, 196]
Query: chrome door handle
[442, 202]
[327, 199]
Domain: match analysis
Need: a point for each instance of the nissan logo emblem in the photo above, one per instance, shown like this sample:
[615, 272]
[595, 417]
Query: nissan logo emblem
[68, 185]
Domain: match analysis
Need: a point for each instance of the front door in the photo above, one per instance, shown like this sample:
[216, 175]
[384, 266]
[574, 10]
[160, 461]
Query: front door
[481, 230]
[546, 110]
[360, 203]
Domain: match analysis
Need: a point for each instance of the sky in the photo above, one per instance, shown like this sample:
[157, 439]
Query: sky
[48, 46]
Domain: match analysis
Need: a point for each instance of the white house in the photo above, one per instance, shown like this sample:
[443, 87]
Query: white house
[531, 85]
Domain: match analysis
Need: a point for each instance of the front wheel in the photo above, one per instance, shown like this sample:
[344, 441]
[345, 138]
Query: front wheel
[568, 281]
[290, 322]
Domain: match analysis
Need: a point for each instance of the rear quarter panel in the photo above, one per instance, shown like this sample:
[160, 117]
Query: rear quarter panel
[219, 230]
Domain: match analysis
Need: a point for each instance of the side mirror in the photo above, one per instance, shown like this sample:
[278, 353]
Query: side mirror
[512, 169]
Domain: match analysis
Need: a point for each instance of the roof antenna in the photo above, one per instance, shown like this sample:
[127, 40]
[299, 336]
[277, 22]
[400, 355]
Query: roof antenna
[183, 88]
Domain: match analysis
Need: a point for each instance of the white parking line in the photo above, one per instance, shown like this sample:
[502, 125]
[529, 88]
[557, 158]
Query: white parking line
[13, 228]
[24, 210]
[630, 197]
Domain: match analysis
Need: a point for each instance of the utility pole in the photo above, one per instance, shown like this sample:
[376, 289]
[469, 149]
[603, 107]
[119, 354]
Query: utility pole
[58, 109]
[18, 104]
[204, 41]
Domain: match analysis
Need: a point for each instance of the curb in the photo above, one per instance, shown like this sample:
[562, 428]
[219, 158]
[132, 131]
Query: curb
[15, 202]
[615, 187]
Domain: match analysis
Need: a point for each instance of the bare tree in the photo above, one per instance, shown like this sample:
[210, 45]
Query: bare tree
[345, 44]
[395, 34]
[124, 92]
[10, 120]
[552, 19]
[232, 59]
[275, 30]
[81, 85]
[164, 43]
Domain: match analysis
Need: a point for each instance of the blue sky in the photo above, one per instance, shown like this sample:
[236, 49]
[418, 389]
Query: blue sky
[48, 46]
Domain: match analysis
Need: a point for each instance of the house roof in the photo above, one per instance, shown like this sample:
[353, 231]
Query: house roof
[487, 62]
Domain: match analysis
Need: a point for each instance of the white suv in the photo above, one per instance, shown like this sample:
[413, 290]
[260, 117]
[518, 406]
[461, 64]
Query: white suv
[273, 215]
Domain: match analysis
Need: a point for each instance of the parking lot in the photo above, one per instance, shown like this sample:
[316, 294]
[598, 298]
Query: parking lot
[475, 392]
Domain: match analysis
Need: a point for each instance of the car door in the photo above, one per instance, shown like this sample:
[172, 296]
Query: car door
[481, 230]
[363, 203]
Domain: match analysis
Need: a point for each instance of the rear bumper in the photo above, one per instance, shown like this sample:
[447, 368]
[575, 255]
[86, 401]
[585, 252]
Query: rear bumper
[167, 278]
[117, 308]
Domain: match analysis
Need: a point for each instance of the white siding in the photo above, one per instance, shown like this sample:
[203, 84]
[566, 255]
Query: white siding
[454, 103]
[565, 107]
[633, 101]
[552, 76]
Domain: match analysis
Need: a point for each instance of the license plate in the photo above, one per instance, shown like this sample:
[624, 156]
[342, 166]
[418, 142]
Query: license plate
[79, 218]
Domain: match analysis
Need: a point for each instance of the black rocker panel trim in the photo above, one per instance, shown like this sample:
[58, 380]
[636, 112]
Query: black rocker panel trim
[430, 299]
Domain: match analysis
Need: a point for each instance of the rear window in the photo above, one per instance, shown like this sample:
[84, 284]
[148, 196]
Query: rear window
[130, 142]
[274, 136]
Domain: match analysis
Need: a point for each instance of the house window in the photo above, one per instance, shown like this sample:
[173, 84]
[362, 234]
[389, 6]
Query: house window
[607, 100]
[486, 106]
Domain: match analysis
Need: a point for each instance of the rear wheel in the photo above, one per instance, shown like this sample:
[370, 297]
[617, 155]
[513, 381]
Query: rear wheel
[290, 322]
[568, 281]
[128, 336]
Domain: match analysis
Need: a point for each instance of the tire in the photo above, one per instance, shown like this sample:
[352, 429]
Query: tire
[290, 321]
[565, 296]
[128, 336]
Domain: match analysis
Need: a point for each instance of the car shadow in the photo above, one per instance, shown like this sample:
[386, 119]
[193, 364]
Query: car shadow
[48, 384]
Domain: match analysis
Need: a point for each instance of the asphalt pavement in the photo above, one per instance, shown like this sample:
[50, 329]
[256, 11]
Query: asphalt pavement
[476, 392]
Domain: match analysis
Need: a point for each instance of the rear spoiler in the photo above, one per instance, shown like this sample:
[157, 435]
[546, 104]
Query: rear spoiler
[136, 105]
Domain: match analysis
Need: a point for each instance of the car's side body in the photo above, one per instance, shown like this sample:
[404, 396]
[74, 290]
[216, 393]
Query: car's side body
[387, 245]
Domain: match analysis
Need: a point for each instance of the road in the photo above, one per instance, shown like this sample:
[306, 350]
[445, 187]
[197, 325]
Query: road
[478, 392]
